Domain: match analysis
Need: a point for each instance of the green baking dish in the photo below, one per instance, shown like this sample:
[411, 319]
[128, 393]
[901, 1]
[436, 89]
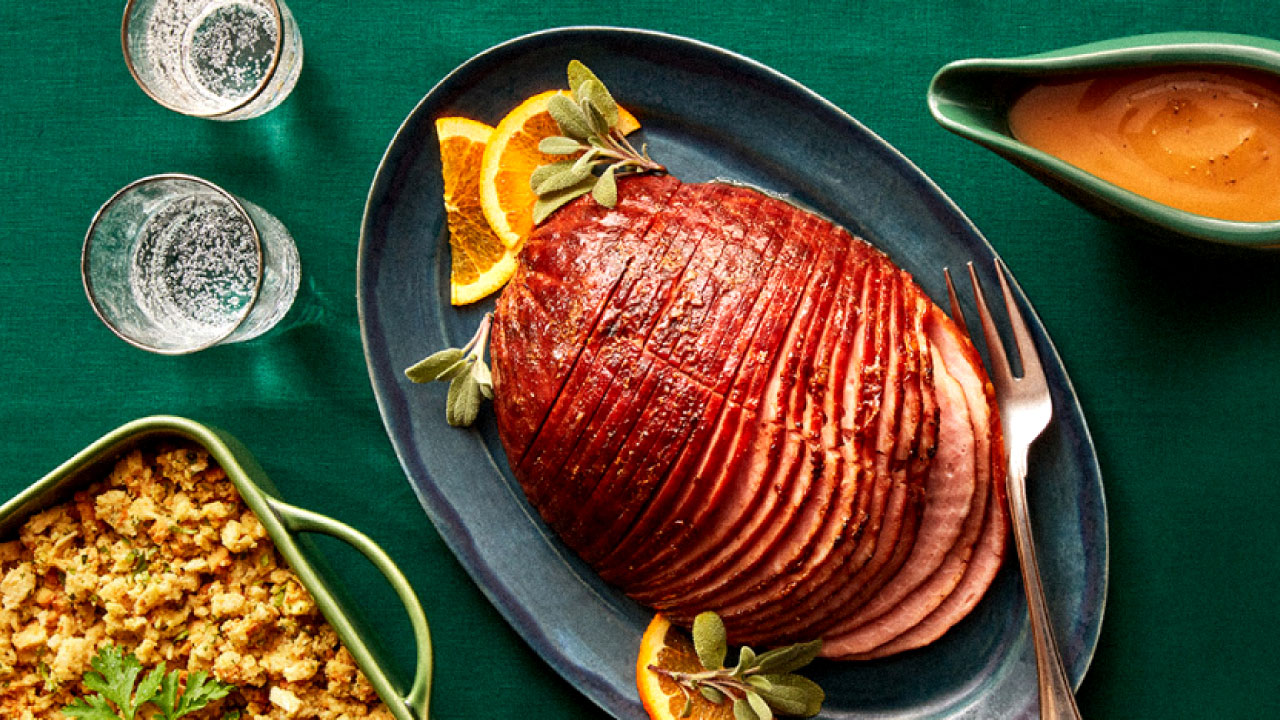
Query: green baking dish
[283, 522]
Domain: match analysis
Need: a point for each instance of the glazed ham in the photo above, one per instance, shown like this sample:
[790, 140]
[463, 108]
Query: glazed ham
[723, 402]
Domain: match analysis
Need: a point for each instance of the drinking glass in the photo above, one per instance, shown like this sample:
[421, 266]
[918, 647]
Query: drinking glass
[216, 59]
[174, 264]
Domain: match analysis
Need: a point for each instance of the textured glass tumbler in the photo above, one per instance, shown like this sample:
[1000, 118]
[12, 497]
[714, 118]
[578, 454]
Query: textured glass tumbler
[174, 264]
[216, 59]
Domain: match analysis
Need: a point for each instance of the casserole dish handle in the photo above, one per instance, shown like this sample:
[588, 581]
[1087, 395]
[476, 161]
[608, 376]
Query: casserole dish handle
[296, 520]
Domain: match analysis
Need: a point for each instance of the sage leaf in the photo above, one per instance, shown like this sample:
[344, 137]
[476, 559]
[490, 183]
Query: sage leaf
[588, 117]
[548, 204]
[579, 74]
[742, 710]
[463, 402]
[713, 696]
[585, 160]
[435, 366]
[480, 371]
[484, 378]
[598, 95]
[687, 710]
[606, 190]
[788, 659]
[456, 369]
[545, 171]
[793, 694]
[469, 378]
[786, 702]
[759, 682]
[710, 640]
[567, 178]
[569, 116]
[755, 695]
[595, 118]
[761, 707]
[559, 145]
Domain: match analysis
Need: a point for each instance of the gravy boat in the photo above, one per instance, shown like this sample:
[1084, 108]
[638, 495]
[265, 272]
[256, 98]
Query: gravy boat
[972, 98]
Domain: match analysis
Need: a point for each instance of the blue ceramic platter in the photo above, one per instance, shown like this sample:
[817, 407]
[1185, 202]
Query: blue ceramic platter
[784, 139]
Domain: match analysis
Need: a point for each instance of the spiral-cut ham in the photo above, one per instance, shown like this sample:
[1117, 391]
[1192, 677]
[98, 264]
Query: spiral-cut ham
[724, 402]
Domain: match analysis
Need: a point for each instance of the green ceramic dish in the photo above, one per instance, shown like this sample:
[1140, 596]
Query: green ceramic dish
[972, 98]
[283, 522]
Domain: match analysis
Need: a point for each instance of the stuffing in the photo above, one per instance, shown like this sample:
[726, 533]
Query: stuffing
[164, 559]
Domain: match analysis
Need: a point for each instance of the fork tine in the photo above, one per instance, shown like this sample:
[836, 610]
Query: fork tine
[1027, 354]
[956, 313]
[1025, 411]
[1001, 375]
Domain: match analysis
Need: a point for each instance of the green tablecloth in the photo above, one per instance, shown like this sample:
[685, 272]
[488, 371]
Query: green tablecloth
[1173, 353]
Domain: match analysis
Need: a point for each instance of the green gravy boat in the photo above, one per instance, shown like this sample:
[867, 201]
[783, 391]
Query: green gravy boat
[972, 98]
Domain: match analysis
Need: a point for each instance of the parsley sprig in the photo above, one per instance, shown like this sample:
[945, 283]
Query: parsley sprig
[114, 677]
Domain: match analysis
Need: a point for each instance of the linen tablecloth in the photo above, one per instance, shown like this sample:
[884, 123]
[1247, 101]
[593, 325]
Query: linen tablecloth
[1174, 353]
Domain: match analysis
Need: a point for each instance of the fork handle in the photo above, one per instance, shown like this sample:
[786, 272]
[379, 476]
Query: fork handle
[1057, 701]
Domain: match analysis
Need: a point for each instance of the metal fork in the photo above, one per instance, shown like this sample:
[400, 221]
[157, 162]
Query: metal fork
[1025, 409]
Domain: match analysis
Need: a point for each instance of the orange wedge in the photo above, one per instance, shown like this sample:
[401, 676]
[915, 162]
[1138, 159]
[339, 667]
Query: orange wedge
[512, 156]
[481, 263]
[667, 646]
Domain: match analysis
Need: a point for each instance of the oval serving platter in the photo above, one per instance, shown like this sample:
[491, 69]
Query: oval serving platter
[682, 90]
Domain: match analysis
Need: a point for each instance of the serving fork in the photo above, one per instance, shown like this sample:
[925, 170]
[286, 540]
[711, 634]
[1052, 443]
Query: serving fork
[1025, 410]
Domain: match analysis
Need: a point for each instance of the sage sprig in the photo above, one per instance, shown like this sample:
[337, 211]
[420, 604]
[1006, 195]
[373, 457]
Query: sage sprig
[466, 372]
[759, 686]
[588, 122]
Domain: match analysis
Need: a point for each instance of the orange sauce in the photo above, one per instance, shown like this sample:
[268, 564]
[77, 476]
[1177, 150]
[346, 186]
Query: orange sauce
[1197, 139]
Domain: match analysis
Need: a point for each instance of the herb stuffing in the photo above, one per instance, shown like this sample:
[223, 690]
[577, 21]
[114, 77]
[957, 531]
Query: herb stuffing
[110, 615]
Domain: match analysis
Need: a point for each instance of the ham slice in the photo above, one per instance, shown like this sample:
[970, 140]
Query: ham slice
[778, 579]
[988, 553]
[857, 343]
[726, 490]
[583, 236]
[949, 490]
[688, 492]
[752, 521]
[723, 402]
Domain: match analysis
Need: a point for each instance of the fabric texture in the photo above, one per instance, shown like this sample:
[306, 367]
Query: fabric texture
[1173, 352]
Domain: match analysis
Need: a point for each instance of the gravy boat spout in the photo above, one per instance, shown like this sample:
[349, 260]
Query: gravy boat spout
[973, 97]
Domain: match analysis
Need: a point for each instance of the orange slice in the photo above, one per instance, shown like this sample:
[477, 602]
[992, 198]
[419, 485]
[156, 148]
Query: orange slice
[481, 263]
[512, 156]
[666, 646]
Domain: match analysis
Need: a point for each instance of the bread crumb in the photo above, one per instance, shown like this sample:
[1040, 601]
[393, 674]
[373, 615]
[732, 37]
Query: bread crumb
[163, 558]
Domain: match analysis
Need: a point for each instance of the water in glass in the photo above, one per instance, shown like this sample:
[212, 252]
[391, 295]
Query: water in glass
[221, 59]
[174, 264]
